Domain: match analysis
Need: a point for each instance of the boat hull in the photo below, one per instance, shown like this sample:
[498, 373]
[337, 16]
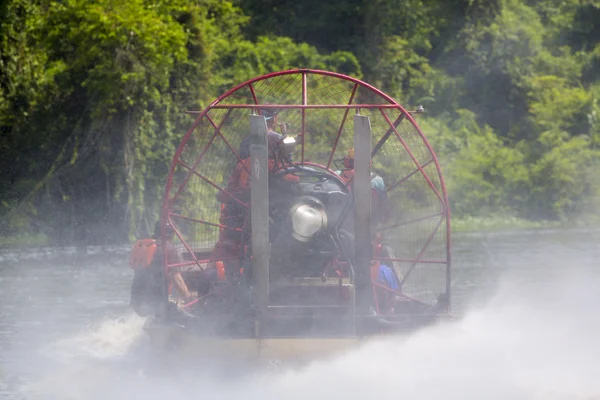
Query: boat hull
[170, 340]
[175, 343]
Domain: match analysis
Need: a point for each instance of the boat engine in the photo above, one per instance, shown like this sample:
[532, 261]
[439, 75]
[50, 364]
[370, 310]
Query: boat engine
[305, 221]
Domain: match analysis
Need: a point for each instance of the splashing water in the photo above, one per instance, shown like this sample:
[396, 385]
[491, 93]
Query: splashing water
[529, 329]
[523, 344]
[111, 338]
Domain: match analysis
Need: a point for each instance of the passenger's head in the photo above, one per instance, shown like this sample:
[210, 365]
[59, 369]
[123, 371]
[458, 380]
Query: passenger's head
[349, 159]
[271, 116]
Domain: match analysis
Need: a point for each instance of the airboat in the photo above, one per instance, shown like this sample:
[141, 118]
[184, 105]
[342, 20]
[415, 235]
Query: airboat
[321, 264]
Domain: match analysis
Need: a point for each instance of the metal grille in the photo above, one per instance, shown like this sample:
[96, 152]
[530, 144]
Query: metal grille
[319, 106]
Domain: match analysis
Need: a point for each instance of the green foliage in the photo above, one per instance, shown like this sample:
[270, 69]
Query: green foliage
[555, 105]
[93, 99]
[483, 174]
[399, 67]
[244, 60]
[564, 180]
[93, 94]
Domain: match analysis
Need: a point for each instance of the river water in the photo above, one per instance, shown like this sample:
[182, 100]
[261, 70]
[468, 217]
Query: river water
[529, 328]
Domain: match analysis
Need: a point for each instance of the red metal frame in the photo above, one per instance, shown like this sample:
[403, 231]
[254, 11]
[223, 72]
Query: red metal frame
[394, 185]
[299, 106]
[411, 221]
[201, 156]
[412, 156]
[417, 260]
[337, 138]
[218, 130]
[304, 104]
[210, 182]
[389, 103]
[201, 221]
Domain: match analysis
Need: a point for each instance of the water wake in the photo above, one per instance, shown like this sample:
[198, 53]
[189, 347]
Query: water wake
[108, 339]
[527, 342]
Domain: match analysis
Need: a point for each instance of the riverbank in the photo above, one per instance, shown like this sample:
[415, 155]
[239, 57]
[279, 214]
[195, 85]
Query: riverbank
[497, 223]
[459, 225]
[25, 240]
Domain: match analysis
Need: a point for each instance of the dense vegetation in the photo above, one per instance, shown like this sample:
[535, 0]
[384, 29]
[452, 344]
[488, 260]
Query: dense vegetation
[92, 94]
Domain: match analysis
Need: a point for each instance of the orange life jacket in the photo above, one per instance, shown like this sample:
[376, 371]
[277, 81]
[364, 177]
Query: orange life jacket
[220, 266]
[142, 253]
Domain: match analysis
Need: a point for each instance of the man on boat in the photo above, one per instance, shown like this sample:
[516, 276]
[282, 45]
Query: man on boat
[272, 119]
[379, 199]
[146, 261]
[235, 201]
[381, 274]
[174, 273]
